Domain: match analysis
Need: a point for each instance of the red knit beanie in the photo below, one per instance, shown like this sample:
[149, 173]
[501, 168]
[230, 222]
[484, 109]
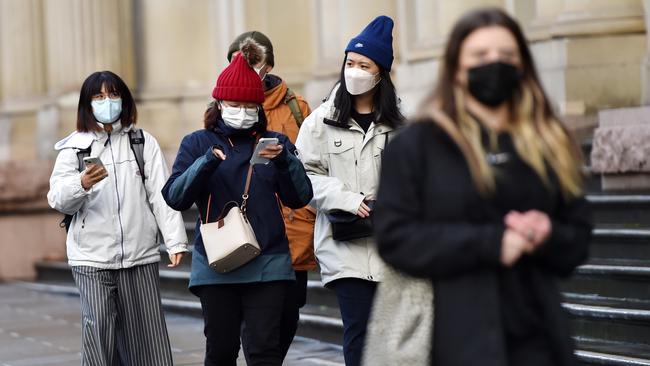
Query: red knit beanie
[238, 82]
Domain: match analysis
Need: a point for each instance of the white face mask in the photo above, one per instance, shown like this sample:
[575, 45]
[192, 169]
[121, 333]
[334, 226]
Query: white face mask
[359, 81]
[107, 110]
[239, 118]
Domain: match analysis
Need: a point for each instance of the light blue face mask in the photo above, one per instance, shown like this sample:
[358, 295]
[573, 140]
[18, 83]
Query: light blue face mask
[107, 110]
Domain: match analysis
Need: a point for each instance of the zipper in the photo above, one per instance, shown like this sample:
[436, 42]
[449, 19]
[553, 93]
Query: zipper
[119, 208]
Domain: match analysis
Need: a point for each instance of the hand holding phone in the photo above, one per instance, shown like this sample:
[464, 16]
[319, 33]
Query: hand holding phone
[266, 149]
[89, 160]
[93, 173]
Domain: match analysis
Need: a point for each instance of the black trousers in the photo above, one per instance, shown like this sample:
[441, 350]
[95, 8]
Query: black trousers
[355, 301]
[296, 299]
[259, 305]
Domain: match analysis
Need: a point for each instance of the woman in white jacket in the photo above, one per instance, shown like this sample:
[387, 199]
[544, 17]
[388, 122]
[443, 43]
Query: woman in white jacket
[341, 145]
[111, 242]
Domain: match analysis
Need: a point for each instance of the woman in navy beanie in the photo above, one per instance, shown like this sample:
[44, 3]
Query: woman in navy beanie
[341, 146]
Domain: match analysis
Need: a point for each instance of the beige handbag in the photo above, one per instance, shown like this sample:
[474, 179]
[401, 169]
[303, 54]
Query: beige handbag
[230, 241]
[400, 330]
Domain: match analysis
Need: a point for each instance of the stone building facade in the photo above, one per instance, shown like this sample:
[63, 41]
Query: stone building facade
[591, 54]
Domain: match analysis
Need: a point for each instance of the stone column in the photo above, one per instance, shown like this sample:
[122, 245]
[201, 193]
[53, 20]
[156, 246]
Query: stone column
[422, 28]
[336, 22]
[586, 17]
[645, 97]
[84, 36]
[523, 10]
[181, 48]
[292, 40]
[573, 40]
[5, 137]
[590, 17]
[546, 12]
[22, 70]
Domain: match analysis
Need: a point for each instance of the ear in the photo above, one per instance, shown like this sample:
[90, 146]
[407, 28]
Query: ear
[267, 69]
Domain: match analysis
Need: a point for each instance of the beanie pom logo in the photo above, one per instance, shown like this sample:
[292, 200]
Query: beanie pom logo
[358, 45]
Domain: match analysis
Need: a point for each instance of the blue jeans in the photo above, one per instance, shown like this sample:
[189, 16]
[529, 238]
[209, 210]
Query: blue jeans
[355, 300]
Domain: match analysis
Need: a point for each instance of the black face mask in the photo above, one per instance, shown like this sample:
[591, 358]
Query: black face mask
[493, 83]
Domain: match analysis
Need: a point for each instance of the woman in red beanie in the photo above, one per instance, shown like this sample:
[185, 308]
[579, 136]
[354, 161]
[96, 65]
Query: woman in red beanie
[211, 170]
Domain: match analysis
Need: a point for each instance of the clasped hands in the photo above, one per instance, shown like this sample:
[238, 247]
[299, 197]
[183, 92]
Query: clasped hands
[525, 232]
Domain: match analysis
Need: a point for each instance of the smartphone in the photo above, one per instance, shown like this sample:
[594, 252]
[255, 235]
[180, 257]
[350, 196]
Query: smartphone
[261, 145]
[89, 160]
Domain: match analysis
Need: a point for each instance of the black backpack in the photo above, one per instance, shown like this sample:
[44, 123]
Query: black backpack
[136, 140]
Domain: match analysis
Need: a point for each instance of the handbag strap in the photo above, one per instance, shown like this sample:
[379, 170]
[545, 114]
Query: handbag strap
[248, 185]
[244, 196]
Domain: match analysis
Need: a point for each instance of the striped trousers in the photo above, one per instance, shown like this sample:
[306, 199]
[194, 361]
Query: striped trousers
[122, 317]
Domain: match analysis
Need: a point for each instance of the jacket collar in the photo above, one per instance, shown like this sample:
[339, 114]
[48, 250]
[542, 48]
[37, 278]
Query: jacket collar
[82, 140]
[118, 129]
[275, 96]
[331, 111]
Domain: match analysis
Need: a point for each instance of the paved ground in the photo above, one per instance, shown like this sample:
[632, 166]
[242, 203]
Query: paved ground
[38, 328]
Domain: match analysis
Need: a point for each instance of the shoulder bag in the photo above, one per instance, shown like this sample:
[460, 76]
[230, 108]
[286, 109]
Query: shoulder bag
[230, 241]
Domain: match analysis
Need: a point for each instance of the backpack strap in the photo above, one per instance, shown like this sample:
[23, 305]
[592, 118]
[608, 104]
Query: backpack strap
[81, 154]
[291, 100]
[136, 140]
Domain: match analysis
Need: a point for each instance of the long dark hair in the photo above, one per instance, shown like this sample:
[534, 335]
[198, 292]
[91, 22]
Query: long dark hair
[93, 85]
[385, 101]
[213, 114]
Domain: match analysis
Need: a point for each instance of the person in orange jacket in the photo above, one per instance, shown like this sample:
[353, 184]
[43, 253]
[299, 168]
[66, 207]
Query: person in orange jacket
[285, 112]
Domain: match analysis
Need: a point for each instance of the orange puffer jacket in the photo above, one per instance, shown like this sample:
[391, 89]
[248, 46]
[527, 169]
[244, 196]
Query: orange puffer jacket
[299, 223]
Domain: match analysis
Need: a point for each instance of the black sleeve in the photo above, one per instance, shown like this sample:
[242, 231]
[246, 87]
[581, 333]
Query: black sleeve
[568, 244]
[409, 241]
[191, 169]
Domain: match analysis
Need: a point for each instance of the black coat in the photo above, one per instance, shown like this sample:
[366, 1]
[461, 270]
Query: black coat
[431, 222]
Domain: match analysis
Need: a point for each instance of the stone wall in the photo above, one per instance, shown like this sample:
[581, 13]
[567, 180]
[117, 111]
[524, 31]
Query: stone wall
[621, 148]
[29, 229]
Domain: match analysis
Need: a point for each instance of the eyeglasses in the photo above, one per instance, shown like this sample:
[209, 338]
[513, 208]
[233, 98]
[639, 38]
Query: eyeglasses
[101, 96]
[228, 109]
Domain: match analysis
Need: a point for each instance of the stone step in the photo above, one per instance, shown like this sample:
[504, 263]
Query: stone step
[599, 352]
[319, 324]
[322, 323]
[611, 319]
[626, 281]
[620, 210]
[53, 271]
[620, 244]
[593, 182]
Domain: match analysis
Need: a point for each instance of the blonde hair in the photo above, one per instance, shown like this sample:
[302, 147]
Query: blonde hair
[539, 139]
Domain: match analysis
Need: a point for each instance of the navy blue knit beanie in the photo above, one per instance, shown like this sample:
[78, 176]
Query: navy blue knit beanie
[375, 41]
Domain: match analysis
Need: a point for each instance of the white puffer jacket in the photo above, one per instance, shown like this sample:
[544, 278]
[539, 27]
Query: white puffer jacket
[343, 165]
[115, 226]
